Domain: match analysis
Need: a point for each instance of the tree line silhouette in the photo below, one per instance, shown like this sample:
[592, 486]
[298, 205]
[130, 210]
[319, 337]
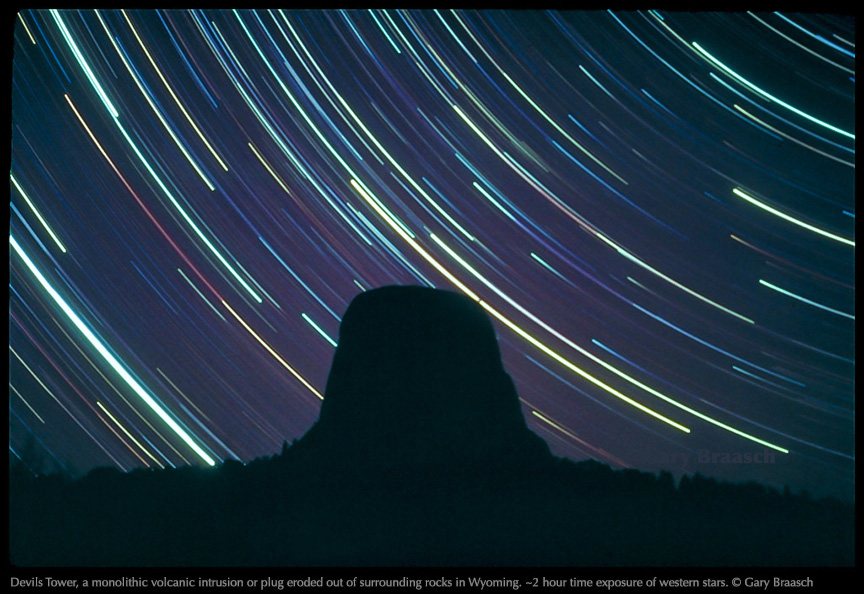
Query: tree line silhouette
[282, 510]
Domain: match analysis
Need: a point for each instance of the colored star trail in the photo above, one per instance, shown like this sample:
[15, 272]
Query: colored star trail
[655, 208]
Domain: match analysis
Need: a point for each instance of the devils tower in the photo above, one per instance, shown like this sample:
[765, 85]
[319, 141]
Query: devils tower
[417, 381]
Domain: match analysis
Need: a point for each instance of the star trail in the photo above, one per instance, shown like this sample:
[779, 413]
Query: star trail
[656, 209]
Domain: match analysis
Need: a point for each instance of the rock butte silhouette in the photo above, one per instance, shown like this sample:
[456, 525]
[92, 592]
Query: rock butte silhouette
[417, 381]
[420, 457]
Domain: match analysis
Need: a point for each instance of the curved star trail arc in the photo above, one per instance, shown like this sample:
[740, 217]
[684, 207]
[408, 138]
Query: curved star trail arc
[656, 209]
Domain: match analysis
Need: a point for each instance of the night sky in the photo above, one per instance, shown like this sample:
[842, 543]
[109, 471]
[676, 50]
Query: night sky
[655, 208]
